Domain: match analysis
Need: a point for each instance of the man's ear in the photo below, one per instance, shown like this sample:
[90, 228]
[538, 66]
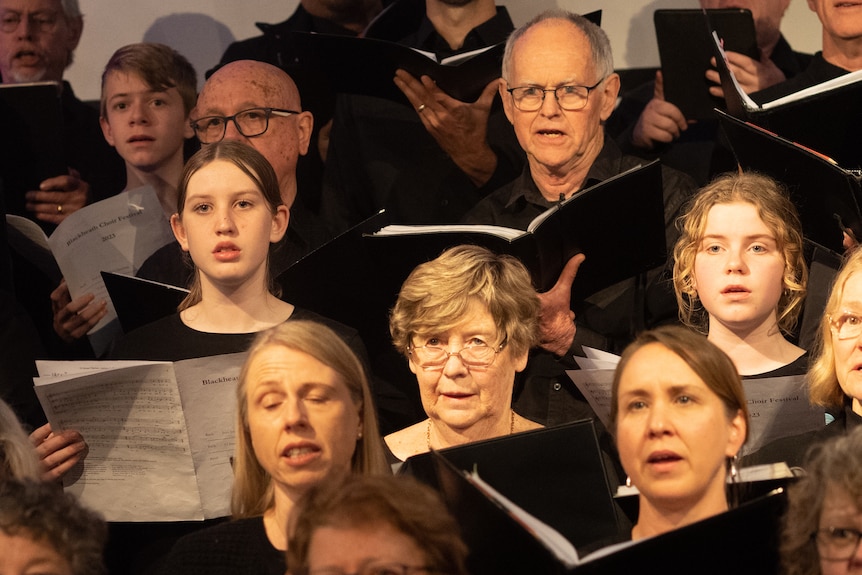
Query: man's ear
[76, 27]
[304, 126]
[610, 90]
[506, 97]
[179, 232]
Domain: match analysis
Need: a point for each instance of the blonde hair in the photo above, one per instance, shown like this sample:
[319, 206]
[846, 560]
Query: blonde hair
[777, 212]
[18, 459]
[252, 488]
[437, 294]
[823, 386]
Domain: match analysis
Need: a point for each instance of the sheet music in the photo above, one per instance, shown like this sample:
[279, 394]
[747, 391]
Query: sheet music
[117, 235]
[155, 431]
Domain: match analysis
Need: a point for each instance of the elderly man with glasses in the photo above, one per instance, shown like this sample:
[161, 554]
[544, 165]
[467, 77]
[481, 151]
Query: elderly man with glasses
[258, 104]
[558, 89]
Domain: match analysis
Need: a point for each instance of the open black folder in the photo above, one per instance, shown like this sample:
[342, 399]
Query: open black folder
[685, 49]
[557, 474]
[826, 117]
[827, 196]
[618, 224]
[139, 301]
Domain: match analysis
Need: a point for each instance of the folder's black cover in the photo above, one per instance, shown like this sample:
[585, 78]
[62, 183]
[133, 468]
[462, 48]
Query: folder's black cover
[556, 474]
[617, 223]
[31, 146]
[139, 301]
[685, 49]
[822, 190]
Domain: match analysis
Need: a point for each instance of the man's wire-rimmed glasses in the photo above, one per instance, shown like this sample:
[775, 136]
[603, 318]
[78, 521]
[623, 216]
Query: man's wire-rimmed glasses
[42, 21]
[431, 357]
[837, 543]
[569, 97]
[250, 123]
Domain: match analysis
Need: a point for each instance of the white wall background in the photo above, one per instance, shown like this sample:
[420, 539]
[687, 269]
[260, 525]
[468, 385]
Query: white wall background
[202, 29]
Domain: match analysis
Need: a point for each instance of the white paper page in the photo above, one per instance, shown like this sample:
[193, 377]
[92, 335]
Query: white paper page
[596, 387]
[746, 99]
[843, 80]
[401, 230]
[600, 355]
[29, 240]
[116, 235]
[561, 547]
[139, 467]
[50, 368]
[588, 364]
[208, 391]
[778, 407]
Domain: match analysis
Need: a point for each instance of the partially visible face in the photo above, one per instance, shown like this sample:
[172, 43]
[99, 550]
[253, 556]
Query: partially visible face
[673, 432]
[739, 269]
[303, 422]
[359, 549]
[24, 556]
[460, 397]
[841, 511]
[148, 127]
[767, 15]
[848, 352]
[227, 227]
[842, 21]
[29, 53]
[245, 84]
[554, 53]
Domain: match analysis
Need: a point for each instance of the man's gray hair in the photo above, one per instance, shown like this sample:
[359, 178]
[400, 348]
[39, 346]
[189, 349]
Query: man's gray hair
[71, 8]
[603, 58]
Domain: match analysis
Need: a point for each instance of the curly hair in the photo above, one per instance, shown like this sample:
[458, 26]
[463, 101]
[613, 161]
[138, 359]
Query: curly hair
[437, 294]
[777, 212]
[408, 506]
[833, 464]
[43, 512]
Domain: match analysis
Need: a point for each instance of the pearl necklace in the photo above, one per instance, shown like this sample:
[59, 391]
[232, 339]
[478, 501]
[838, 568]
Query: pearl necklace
[428, 428]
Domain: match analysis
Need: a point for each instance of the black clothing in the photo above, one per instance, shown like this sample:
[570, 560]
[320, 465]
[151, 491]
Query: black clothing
[232, 548]
[817, 71]
[381, 155]
[169, 339]
[798, 366]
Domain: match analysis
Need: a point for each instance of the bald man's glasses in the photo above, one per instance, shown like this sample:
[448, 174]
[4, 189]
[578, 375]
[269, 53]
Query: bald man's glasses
[250, 123]
[570, 97]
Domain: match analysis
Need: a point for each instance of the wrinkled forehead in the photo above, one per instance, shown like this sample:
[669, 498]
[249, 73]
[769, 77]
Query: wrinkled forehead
[31, 6]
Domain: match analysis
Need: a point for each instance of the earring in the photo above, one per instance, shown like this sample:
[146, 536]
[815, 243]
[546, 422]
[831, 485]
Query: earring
[359, 434]
[628, 481]
[734, 470]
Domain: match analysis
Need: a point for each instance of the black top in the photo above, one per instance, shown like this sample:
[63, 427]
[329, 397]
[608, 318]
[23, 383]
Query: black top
[818, 70]
[232, 548]
[169, 339]
[380, 154]
[798, 366]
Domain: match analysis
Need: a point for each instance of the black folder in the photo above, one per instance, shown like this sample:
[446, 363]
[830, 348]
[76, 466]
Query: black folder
[685, 48]
[139, 301]
[827, 196]
[826, 117]
[618, 223]
[30, 142]
[556, 474]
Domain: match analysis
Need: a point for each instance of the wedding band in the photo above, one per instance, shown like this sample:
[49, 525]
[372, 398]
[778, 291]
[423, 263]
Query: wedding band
[59, 208]
[421, 108]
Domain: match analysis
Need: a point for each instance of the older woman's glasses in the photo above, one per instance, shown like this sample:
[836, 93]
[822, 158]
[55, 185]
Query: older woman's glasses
[837, 543]
[433, 357]
[846, 325]
[570, 97]
[374, 569]
[250, 123]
